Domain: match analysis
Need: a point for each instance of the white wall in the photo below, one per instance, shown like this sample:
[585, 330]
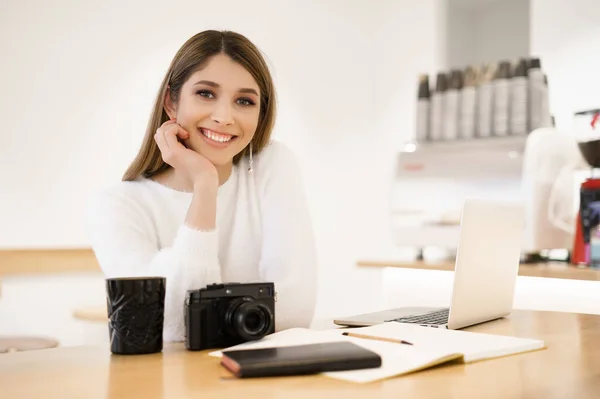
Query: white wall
[484, 31]
[82, 77]
[566, 35]
[460, 39]
[502, 30]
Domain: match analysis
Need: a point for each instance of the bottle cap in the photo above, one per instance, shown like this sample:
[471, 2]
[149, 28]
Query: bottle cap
[535, 63]
[503, 71]
[520, 69]
[456, 79]
[488, 72]
[441, 82]
[471, 76]
[424, 91]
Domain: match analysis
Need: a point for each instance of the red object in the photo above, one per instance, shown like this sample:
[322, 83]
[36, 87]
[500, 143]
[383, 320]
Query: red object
[579, 255]
[413, 166]
[595, 120]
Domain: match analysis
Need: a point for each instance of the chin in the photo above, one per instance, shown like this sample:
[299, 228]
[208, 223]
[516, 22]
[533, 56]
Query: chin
[220, 161]
[217, 158]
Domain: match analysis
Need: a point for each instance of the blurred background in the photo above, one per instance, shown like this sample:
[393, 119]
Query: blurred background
[79, 78]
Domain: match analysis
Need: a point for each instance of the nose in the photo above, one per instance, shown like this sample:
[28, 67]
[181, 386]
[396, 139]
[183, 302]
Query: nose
[222, 113]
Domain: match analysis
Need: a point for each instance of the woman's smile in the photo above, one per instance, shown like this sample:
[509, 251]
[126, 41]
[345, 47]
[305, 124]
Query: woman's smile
[216, 139]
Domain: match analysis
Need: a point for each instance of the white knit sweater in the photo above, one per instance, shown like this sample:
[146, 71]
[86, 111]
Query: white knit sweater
[264, 233]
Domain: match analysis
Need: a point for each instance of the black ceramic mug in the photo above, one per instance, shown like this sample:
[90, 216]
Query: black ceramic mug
[136, 309]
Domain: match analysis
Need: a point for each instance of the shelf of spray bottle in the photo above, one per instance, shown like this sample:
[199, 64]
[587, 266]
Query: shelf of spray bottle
[489, 107]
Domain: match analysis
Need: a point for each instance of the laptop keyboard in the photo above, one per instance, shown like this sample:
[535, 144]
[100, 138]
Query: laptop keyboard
[437, 317]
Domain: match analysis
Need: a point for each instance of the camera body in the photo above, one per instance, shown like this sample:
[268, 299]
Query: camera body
[223, 315]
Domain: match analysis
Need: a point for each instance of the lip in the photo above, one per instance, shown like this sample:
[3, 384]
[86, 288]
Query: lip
[216, 144]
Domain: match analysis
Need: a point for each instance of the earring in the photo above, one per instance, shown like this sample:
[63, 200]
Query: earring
[250, 170]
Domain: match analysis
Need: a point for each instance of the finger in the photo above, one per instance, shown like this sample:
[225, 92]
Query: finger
[166, 150]
[166, 125]
[170, 136]
[159, 137]
[182, 133]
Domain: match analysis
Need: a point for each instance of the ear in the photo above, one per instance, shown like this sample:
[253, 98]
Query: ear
[170, 108]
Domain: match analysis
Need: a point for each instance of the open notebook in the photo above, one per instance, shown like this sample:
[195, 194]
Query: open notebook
[431, 347]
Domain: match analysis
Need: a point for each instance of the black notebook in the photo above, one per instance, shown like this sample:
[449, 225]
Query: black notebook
[299, 359]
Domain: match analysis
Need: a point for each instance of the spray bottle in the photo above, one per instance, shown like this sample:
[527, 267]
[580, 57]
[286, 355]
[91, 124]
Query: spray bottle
[437, 110]
[451, 106]
[501, 99]
[423, 108]
[537, 94]
[468, 104]
[485, 101]
[519, 95]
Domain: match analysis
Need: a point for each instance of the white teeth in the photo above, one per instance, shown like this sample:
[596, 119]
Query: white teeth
[216, 137]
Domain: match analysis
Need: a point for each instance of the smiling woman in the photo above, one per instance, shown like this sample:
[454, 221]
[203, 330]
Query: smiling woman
[218, 82]
[210, 198]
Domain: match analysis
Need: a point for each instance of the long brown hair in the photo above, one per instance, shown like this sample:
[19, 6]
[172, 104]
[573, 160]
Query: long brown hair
[191, 57]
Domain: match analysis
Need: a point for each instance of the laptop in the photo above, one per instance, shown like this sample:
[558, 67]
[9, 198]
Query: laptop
[485, 273]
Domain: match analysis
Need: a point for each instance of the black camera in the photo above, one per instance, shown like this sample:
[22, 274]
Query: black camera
[223, 315]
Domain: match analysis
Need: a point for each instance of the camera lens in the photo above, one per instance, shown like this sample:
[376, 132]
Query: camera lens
[253, 321]
[248, 319]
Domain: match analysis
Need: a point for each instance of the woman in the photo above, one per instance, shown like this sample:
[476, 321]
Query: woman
[209, 197]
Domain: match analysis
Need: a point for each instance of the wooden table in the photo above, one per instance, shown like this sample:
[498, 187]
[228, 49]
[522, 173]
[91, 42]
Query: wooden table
[92, 313]
[53, 260]
[569, 368]
[543, 269]
[14, 343]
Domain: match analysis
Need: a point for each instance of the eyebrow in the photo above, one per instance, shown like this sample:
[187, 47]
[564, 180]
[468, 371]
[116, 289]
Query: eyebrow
[216, 85]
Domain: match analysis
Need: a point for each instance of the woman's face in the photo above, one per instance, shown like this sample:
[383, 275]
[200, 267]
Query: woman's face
[219, 106]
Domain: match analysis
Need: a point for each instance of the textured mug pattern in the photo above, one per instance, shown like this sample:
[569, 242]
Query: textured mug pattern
[136, 315]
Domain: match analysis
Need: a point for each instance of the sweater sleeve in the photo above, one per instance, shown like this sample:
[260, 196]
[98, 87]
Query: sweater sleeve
[125, 243]
[288, 256]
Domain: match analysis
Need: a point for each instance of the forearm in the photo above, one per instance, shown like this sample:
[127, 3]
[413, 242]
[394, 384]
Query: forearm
[126, 245]
[202, 213]
[295, 306]
[190, 263]
[193, 263]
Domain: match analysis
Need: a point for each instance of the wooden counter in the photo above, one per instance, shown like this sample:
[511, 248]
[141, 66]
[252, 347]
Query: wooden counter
[546, 269]
[568, 368]
[40, 261]
[92, 313]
